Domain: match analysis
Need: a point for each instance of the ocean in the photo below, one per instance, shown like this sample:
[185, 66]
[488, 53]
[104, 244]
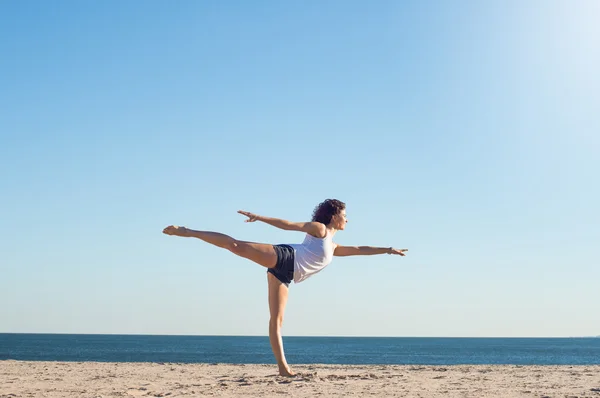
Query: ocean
[300, 350]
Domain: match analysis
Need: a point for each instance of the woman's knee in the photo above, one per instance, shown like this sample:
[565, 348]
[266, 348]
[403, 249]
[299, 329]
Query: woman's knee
[235, 246]
[276, 322]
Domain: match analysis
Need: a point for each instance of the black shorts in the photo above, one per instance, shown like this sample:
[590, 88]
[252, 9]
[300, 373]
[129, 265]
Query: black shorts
[284, 269]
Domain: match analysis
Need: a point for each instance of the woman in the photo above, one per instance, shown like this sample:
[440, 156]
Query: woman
[289, 262]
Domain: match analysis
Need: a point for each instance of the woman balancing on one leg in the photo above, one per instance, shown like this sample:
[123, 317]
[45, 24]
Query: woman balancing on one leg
[290, 262]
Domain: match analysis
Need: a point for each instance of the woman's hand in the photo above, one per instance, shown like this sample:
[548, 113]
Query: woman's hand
[175, 230]
[251, 216]
[399, 252]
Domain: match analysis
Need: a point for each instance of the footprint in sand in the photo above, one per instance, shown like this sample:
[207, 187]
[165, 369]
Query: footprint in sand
[137, 392]
[243, 381]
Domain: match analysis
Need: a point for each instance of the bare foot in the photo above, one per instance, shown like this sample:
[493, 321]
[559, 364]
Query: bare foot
[287, 372]
[174, 230]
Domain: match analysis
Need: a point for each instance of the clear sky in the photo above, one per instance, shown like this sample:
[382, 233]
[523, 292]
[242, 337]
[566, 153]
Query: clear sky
[467, 132]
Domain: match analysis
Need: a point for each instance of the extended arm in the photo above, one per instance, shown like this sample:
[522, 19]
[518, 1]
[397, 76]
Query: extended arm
[314, 228]
[366, 250]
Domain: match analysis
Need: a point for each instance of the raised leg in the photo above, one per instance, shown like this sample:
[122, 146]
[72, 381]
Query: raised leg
[260, 253]
[278, 295]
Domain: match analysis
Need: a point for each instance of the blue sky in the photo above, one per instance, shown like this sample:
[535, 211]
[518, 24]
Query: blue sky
[466, 132]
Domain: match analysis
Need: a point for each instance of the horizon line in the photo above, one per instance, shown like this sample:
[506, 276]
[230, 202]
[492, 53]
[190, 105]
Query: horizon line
[311, 336]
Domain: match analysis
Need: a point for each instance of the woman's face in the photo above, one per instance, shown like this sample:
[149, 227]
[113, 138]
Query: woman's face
[340, 220]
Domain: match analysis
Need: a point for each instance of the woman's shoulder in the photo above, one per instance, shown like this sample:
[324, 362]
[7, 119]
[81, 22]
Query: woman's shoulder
[318, 230]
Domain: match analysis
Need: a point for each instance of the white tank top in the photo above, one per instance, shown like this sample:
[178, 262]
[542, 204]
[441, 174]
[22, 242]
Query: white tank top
[311, 256]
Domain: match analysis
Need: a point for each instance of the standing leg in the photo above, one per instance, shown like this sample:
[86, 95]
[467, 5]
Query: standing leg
[260, 253]
[278, 295]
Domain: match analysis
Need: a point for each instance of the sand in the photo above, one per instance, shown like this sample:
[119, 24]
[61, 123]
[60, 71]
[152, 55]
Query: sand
[99, 379]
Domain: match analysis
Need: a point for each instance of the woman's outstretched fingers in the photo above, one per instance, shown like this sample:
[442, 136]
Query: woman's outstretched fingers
[399, 252]
[251, 216]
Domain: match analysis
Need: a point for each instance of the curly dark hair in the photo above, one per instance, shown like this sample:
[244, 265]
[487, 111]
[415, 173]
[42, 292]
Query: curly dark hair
[327, 209]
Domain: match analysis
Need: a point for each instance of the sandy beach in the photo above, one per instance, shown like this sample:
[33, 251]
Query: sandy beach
[95, 379]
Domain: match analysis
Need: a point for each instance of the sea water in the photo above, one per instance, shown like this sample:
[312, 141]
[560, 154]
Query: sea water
[300, 350]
